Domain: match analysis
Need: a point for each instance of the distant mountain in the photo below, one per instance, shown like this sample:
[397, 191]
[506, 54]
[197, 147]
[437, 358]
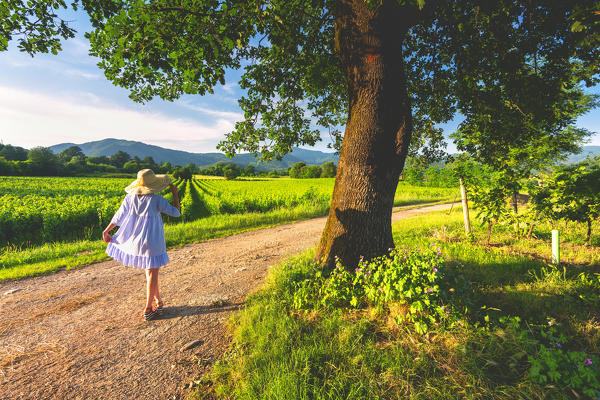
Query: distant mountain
[108, 147]
[588, 151]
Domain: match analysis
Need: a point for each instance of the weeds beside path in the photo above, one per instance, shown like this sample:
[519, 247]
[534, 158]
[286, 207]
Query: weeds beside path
[80, 334]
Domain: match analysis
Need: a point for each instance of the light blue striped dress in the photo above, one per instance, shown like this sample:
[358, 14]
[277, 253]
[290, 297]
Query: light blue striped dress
[140, 240]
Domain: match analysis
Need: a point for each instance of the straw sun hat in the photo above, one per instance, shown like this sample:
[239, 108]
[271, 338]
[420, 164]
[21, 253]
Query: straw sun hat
[147, 183]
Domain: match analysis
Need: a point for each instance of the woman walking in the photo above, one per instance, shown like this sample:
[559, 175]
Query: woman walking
[140, 240]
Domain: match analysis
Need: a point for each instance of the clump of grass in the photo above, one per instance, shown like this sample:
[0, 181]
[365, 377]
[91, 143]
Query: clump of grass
[50, 257]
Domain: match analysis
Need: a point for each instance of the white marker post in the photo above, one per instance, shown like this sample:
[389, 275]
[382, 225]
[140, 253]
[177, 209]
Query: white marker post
[555, 247]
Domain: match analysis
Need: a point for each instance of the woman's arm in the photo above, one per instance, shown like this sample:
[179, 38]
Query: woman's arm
[175, 196]
[105, 236]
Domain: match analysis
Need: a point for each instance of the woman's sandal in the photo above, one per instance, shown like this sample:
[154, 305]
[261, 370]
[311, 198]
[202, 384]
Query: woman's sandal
[150, 315]
[159, 307]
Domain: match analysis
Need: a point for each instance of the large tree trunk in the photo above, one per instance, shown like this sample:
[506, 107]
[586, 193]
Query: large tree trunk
[377, 136]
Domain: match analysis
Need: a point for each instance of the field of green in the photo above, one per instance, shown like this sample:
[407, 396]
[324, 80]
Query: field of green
[443, 317]
[51, 223]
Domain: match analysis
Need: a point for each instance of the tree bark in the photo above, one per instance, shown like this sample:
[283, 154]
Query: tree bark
[377, 135]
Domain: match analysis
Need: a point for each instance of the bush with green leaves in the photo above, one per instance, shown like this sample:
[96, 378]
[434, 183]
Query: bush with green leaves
[571, 193]
[231, 171]
[556, 364]
[413, 176]
[435, 176]
[328, 170]
[183, 173]
[491, 206]
[417, 282]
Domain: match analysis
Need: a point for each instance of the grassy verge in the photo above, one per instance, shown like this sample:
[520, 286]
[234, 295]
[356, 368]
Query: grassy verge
[521, 330]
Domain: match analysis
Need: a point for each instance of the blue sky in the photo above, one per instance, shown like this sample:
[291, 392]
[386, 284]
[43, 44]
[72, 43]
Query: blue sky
[50, 99]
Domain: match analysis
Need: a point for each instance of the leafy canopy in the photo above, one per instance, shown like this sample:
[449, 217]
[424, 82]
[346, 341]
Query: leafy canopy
[522, 55]
[572, 192]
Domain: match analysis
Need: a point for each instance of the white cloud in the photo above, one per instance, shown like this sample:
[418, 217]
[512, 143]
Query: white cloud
[78, 73]
[228, 115]
[31, 119]
[230, 87]
[77, 47]
[45, 65]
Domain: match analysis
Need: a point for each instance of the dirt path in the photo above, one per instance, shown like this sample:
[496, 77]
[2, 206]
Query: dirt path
[79, 334]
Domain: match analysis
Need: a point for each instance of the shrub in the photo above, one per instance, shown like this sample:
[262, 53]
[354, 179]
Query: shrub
[556, 364]
[417, 280]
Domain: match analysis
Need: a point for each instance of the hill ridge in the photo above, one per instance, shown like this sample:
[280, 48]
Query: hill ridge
[109, 146]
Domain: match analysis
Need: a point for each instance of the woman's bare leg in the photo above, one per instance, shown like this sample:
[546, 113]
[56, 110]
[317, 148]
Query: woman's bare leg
[151, 287]
[156, 292]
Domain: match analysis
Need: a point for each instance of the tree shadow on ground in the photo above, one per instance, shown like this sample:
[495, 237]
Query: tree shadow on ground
[529, 289]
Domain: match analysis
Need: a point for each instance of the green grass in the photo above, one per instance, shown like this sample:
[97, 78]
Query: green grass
[280, 353]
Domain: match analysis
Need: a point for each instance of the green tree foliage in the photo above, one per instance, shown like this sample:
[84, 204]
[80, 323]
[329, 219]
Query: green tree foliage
[6, 167]
[13, 153]
[132, 166]
[119, 159]
[42, 155]
[137, 164]
[314, 171]
[328, 170]
[215, 170]
[414, 176]
[488, 189]
[249, 170]
[571, 193]
[78, 164]
[296, 170]
[44, 161]
[440, 176]
[520, 106]
[301, 170]
[165, 168]
[192, 167]
[183, 173]
[231, 171]
[414, 169]
[490, 202]
[98, 160]
[67, 154]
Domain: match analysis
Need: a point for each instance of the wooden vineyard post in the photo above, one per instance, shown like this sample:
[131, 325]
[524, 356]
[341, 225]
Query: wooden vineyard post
[555, 247]
[465, 206]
